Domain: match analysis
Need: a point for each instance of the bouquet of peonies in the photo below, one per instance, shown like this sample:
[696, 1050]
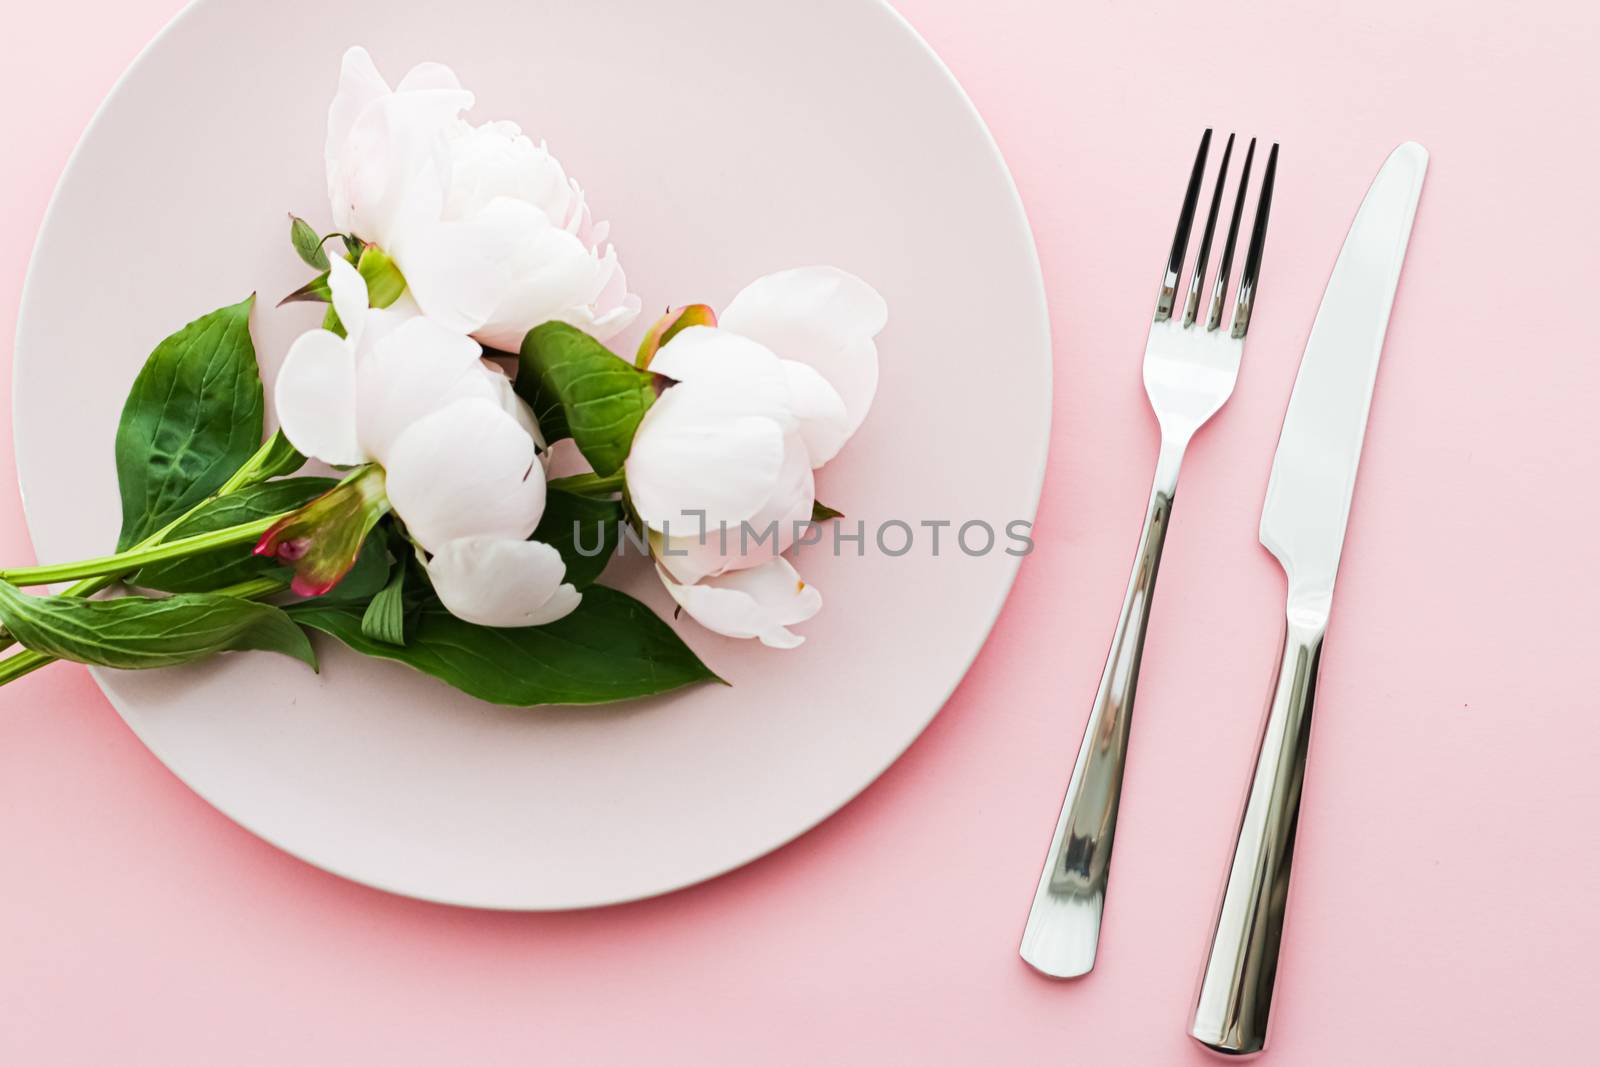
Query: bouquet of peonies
[469, 294]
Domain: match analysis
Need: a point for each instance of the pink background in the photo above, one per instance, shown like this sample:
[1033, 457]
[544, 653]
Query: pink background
[1448, 876]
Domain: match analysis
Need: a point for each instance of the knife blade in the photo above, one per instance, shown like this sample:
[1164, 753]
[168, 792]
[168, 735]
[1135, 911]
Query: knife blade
[1303, 524]
[1314, 471]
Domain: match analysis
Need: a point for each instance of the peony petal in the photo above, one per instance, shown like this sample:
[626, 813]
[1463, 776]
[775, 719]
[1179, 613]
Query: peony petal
[692, 555]
[466, 470]
[419, 368]
[726, 374]
[381, 322]
[820, 411]
[614, 309]
[461, 271]
[554, 277]
[315, 395]
[760, 602]
[820, 316]
[556, 280]
[360, 86]
[685, 458]
[349, 299]
[390, 172]
[698, 352]
[604, 325]
[579, 281]
[506, 396]
[504, 270]
[495, 160]
[492, 581]
[426, 76]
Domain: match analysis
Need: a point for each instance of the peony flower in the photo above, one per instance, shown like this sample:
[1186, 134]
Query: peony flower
[760, 602]
[722, 455]
[491, 234]
[822, 317]
[457, 449]
[721, 466]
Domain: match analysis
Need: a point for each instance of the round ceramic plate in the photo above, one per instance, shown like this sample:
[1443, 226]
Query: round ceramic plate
[723, 139]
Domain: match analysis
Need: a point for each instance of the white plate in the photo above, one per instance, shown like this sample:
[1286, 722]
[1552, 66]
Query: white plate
[723, 139]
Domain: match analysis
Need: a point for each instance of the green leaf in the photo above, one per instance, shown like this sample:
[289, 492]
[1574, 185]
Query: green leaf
[572, 522]
[353, 246]
[236, 563]
[136, 633]
[192, 418]
[821, 512]
[280, 458]
[580, 389]
[306, 243]
[385, 283]
[316, 290]
[611, 648]
[385, 617]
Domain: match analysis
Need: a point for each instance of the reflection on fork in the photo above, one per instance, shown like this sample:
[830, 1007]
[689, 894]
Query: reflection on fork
[1190, 366]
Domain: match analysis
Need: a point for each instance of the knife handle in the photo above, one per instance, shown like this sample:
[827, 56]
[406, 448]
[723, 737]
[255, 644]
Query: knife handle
[1230, 1014]
[1062, 936]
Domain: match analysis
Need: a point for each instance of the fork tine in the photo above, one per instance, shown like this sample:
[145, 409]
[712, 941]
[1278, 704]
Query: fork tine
[1191, 303]
[1258, 242]
[1180, 240]
[1224, 269]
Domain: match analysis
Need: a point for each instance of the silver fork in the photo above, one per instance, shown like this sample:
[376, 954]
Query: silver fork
[1190, 366]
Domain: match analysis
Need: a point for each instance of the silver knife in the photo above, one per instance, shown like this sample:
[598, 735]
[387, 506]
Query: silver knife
[1303, 524]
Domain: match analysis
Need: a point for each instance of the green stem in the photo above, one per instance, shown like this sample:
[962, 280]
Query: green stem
[27, 661]
[254, 589]
[113, 567]
[272, 458]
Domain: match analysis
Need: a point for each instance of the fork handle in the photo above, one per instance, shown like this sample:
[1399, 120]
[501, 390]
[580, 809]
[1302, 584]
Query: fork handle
[1230, 1014]
[1063, 931]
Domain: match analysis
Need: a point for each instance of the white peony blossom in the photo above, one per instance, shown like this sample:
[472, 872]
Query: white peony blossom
[457, 448]
[721, 466]
[760, 602]
[491, 234]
